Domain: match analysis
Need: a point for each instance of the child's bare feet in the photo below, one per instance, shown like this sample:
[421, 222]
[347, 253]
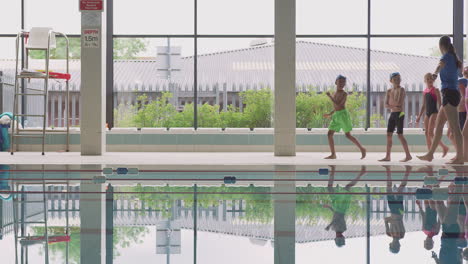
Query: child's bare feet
[385, 159]
[427, 157]
[332, 156]
[406, 159]
[363, 153]
[455, 161]
[445, 151]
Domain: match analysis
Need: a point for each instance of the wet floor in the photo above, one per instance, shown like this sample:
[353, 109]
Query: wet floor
[287, 214]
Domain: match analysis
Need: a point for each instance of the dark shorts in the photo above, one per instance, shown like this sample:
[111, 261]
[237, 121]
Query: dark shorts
[396, 121]
[461, 209]
[450, 96]
[450, 231]
[395, 203]
[462, 117]
[431, 218]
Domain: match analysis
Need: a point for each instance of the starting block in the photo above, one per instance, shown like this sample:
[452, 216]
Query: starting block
[443, 172]
[431, 180]
[460, 180]
[423, 194]
[99, 179]
[323, 172]
[440, 194]
[108, 171]
[230, 180]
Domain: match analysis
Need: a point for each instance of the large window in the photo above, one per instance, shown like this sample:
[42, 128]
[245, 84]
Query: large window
[187, 63]
[42, 14]
[411, 17]
[7, 81]
[153, 85]
[235, 82]
[318, 63]
[412, 58]
[61, 15]
[331, 17]
[221, 77]
[11, 17]
[154, 17]
[235, 17]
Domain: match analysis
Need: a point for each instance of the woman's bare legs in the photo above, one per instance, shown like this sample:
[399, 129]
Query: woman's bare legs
[430, 133]
[447, 113]
[465, 140]
[453, 119]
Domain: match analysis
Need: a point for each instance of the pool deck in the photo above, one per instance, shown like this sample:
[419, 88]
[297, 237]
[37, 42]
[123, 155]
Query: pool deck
[211, 158]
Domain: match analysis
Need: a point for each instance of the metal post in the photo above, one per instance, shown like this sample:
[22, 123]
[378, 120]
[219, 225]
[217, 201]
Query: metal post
[110, 65]
[368, 217]
[458, 28]
[109, 224]
[195, 209]
[368, 92]
[195, 68]
[23, 54]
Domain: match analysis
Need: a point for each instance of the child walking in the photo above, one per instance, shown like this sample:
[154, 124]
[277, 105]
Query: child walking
[341, 119]
[395, 101]
[431, 104]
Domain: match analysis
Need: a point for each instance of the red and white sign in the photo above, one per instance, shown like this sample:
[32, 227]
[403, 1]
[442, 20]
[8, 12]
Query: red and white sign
[91, 5]
[90, 38]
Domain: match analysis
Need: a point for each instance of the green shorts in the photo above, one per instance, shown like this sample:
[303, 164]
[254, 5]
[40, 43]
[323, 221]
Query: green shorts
[341, 121]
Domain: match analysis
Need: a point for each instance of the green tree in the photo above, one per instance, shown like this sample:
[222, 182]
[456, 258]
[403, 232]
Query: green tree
[310, 107]
[60, 51]
[128, 48]
[156, 113]
[258, 110]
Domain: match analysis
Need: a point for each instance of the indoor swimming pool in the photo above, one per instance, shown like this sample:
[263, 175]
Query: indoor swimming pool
[301, 214]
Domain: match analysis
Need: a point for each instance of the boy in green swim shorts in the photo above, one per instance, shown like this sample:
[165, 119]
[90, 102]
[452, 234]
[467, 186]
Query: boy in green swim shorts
[340, 118]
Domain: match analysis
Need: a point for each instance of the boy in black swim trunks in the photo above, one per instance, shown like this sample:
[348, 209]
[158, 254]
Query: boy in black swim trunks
[395, 101]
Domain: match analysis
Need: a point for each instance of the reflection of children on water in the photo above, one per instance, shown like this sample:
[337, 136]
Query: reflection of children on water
[339, 205]
[452, 235]
[394, 226]
[428, 212]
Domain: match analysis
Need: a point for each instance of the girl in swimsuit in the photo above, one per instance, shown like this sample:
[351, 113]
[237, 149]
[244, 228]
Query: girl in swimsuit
[430, 106]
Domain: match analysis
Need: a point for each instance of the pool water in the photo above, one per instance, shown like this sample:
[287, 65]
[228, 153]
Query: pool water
[280, 214]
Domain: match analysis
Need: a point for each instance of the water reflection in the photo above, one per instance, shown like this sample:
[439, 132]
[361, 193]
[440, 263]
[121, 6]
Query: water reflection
[340, 217]
[340, 203]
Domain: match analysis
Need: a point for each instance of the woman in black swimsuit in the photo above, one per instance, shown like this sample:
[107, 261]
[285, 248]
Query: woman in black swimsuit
[430, 106]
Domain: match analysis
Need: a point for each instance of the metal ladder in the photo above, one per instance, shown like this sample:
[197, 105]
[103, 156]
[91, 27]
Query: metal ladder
[20, 217]
[22, 90]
